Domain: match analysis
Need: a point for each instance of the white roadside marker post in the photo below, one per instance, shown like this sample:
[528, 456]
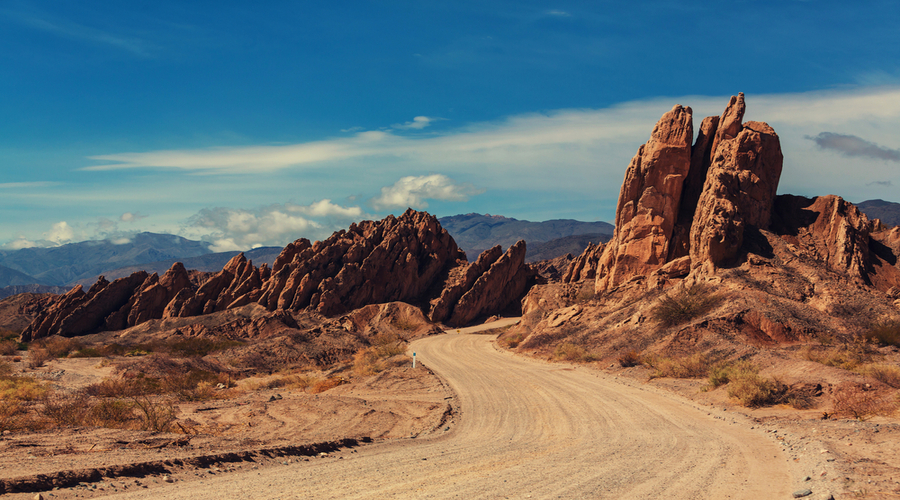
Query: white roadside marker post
[414, 360]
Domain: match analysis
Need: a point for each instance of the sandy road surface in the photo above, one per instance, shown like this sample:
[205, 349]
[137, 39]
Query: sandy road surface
[529, 429]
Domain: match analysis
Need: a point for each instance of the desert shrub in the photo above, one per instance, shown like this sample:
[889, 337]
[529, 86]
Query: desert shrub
[405, 321]
[747, 386]
[884, 373]
[693, 366]
[8, 347]
[87, 352]
[719, 374]
[512, 341]
[685, 304]
[366, 362]
[65, 409]
[112, 413]
[14, 388]
[11, 415]
[59, 347]
[847, 356]
[326, 384]
[629, 359]
[884, 332]
[861, 401]
[157, 413]
[568, 351]
[37, 356]
[288, 381]
[193, 385]
[387, 345]
[198, 346]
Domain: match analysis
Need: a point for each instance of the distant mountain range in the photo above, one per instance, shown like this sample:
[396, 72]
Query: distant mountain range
[475, 233]
[54, 270]
[887, 211]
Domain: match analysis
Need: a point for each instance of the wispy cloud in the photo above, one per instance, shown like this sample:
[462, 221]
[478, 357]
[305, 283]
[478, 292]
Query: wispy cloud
[881, 183]
[853, 146]
[558, 13]
[82, 33]
[414, 192]
[26, 185]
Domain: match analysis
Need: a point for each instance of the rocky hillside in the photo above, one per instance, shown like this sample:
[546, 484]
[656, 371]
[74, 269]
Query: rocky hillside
[410, 258]
[699, 227]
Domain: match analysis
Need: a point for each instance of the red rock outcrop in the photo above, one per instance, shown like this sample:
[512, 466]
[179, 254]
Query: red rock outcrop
[507, 280]
[410, 259]
[461, 280]
[649, 202]
[679, 200]
[584, 267]
[739, 190]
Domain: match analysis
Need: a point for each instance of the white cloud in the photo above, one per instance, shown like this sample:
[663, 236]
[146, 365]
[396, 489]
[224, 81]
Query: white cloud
[20, 243]
[414, 191]
[131, 217]
[275, 225]
[558, 13]
[418, 123]
[578, 153]
[60, 233]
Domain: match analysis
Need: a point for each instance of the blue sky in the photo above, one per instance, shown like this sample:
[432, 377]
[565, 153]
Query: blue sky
[255, 124]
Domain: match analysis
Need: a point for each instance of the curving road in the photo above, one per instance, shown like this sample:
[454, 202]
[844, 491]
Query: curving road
[529, 429]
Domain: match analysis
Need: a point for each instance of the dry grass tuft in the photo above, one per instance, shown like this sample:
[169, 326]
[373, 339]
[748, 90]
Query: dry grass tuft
[847, 356]
[512, 341]
[685, 304]
[861, 401]
[884, 373]
[747, 386]
[8, 347]
[693, 366]
[326, 384]
[884, 332]
[568, 351]
[629, 359]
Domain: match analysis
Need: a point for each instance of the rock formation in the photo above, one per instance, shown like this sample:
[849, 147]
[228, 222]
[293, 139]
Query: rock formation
[691, 210]
[679, 200]
[408, 258]
[649, 202]
[584, 267]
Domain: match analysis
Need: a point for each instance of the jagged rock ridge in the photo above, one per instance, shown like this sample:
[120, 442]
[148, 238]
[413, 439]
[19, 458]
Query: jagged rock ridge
[694, 209]
[408, 258]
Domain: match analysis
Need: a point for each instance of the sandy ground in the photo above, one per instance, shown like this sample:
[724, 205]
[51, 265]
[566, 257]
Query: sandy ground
[253, 430]
[496, 425]
[531, 429]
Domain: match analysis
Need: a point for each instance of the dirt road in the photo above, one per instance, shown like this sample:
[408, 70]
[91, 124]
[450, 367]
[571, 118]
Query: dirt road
[528, 429]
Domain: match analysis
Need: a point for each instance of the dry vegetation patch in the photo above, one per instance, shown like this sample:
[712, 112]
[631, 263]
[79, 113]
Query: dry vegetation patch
[686, 303]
